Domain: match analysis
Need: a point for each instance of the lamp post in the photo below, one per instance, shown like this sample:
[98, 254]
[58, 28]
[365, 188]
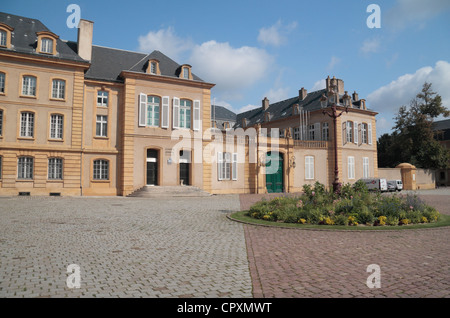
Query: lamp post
[334, 113]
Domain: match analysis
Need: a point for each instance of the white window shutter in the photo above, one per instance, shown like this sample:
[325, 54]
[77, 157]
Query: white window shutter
[142, 109]
[165, 115]
[219, 166]
[176, 113]
[355, 137]
[344, 132]
[197, 120]
[234, 166]
[369, 133]
[317, 131]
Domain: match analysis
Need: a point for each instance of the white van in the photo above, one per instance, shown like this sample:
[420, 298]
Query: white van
[374, 184]
[396, 185]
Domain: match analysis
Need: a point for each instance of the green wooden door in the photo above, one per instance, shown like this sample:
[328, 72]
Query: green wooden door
[274, 178]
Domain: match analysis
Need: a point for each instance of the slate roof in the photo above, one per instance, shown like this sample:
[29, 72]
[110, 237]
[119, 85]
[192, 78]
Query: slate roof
[222, 113]
[24, 38]
[442, 126]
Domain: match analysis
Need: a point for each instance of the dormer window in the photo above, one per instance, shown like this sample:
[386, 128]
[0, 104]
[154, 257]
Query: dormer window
[267, 116]
[153, 67]
[46, 42]
[186, 72]
[296, 109]
[244, 122]
[5, 35]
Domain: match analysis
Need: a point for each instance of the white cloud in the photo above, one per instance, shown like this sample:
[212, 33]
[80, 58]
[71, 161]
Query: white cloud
[333, 62]
[166, 41]
[247, 108]
[401, 91]
[231, 69]
[414, 12]
[320, 84]
[276, 34]
[277, 94]
[370, 46]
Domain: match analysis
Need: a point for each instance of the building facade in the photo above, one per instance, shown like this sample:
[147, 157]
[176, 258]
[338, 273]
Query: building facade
[81, 119]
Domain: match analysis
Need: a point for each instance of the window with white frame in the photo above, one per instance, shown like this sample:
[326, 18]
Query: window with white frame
[364, 133]
[56, 126]
[102, 98]
[2, 82]
[55, 168]
[29, 85]
[309, 167]
[26, 124]
[47, 45]
[227, 166]
[3, 38]
[185, 73]
[101, 169]
[59, 89]
[349, 131]
[101, 126]
[365, 167]
[25, 168]
[325, 132]
[351, 167]
[153, 68]
[153, 110]
[185, 113]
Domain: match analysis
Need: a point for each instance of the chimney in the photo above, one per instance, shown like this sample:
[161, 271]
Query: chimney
[302, 93]
[355, 96]
[85, 33]
[265, 103]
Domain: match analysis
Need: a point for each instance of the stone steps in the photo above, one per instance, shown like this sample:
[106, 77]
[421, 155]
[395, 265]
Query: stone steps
[169, 191]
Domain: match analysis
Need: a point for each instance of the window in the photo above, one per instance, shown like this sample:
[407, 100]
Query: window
[102, 126]
[0, 167]
[3, 38]
[59, 88]
[311, 132]
[101, 169]
[2, 82]
[153, 67]
[25, 168]
[1, 122]
[56, 126]
[349, 131]
[351, 167]
[227, 166]
[153, 109]
[185, 113]
[296, 133]
[29, 86]
[364, 133]
[365, 167]
[55, 168]
[185, 73]
[47, 45]
[102, 98]
[26, 124]
[325, 132]
[309, 167]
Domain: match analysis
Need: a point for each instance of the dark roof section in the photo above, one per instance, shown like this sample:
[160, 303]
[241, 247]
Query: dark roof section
[24, 38]
[443, 129]
[222, 113]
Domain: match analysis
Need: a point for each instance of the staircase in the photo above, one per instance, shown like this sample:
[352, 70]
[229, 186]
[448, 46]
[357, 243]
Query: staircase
[169, 191]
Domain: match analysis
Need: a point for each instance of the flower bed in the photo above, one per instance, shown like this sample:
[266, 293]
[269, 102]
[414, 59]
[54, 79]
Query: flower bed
[354, 206]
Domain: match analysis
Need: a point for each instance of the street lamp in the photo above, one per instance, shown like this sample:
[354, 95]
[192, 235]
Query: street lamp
[333, 113]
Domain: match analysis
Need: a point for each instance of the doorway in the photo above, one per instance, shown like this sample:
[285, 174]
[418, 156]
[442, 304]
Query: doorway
[152, 167]
[274, 178]
[185, 167]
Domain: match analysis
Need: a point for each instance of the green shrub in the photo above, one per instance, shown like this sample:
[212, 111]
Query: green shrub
[392, 220]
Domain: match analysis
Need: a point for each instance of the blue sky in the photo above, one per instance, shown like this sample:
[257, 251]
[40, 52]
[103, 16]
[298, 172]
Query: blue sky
[253, 49]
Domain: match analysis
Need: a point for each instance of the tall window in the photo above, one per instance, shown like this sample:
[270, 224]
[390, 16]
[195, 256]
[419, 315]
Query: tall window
[102, 98]
[153, 67]
[185, 73]
[55, 168]
[101, 169]
[365, 167]
[309, 167]
[364, 133]
[3, 37]
[349, 129]
[325, 131]
[153, 109]
[26, 124]
[311, 132]
[29, 86]
[47, 45]
[185, 113]
[1, 122]
[59, 89]
[351, 167]
[227, 166]
[296, 133]
[2, 82]
[102, 126]
[25, 168]
[56, 126]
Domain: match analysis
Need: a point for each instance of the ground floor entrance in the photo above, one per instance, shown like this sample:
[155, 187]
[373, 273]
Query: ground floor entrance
[152, 167]
[274, 172]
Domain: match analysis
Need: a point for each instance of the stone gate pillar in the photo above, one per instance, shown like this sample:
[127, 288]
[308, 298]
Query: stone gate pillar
[408, 172]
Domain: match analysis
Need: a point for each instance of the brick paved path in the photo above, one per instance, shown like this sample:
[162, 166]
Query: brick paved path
[307, 263]
[126, 247]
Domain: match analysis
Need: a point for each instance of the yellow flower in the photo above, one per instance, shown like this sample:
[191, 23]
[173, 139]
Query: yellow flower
[302, 221]
[424, 219]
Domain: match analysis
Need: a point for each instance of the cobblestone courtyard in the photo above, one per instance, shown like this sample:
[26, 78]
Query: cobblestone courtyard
[186, 247]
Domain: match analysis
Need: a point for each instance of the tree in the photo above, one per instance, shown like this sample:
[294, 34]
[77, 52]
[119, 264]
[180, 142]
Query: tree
[413, 139]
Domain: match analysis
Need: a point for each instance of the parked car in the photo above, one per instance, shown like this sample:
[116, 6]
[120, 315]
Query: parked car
[396, 185]
[376, 184]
